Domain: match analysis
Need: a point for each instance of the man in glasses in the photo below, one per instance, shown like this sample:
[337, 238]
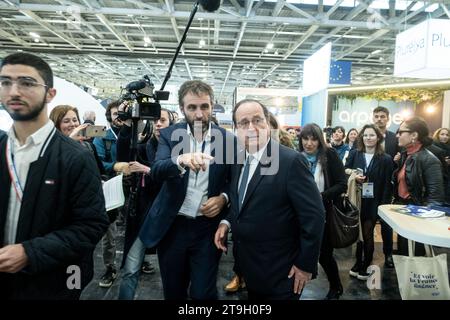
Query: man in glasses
[276, 211]
[52, 211]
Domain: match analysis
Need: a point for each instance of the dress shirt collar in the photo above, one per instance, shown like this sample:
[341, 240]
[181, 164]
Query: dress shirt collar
[36, 138]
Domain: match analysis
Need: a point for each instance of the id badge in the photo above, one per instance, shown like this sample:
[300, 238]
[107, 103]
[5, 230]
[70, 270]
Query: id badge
[367, 190]
[192, 202]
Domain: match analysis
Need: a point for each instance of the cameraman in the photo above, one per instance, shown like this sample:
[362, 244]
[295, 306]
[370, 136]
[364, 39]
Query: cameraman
[106, 149]
[146, 191]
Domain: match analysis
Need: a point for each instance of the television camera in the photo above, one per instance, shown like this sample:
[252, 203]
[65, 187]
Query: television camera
[144, 100]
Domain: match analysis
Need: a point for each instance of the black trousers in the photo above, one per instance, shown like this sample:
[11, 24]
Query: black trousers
[188, 258]
[328, 262]
[387, 234]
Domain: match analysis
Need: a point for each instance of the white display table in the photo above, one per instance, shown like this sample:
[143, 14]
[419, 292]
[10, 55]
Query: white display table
[431, 231]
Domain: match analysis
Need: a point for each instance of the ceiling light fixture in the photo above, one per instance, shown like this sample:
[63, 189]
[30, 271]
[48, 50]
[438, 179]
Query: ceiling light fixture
[34, 35]
[269, 45]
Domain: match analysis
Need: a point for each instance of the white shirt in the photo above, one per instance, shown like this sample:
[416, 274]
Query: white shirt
[253, 165]
[369, 157]
[199, 180]
[256, 157]
[23, 156]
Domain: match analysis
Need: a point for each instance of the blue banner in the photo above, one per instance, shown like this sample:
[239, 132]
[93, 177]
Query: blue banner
[340, 72]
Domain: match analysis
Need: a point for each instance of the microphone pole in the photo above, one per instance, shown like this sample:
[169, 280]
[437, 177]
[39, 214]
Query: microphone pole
[183, 38]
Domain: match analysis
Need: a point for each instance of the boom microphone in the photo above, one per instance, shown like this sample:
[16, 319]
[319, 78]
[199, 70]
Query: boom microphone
[210, 5]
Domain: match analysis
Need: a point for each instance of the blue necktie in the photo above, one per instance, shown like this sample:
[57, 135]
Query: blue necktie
[244, 180]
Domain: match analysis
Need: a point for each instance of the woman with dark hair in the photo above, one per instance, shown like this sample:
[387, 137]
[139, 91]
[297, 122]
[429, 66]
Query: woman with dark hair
[418, 179]
[441, 139]
[329, 175]
[337, 142]
[375, 170]
[352, 136]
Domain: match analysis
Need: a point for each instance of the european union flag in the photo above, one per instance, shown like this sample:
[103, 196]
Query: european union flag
[340, 72]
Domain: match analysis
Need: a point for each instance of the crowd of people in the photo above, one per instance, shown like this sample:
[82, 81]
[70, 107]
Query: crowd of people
[188, 184]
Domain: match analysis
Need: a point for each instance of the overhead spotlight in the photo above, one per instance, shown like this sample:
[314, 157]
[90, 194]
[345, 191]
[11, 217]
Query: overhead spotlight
[265, 50]
[269, 46]
[201, 43]
[430, 108]
[375, 51]
[406, 113]
[36, 40]
[34, 35]
[147, 39]
[276, 52]
[92, 37]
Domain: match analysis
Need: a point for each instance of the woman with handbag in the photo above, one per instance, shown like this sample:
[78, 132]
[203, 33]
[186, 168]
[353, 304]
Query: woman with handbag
[329, 175]
[375, 171]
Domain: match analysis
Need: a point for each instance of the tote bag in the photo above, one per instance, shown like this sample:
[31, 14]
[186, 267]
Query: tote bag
[422, 278]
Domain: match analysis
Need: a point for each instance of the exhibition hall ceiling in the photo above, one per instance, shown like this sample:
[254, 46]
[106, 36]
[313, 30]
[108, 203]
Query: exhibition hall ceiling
[104, 44]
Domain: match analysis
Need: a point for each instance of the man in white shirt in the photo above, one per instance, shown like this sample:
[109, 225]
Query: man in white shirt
[184, 216]
[276, 211]
[52, 211]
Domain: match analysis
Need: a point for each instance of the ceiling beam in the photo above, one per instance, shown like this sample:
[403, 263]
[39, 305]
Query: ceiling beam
[146, 66]
[445, 10]
[108, 25]
[226, 79]
[278, 6]
[113, 70]
[206, 15]
[268, 73]
[239, 39]
[300, 11]
[50, 28]
[13, 38]
[362, 43]
[259, 4]
[216, 31]
[236, 5]
[307, 34]
[139, 4]
[333, 9]
[188, 69]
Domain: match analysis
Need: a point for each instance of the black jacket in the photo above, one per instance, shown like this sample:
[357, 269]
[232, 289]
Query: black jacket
[280, 223]
[423, 177]
[147, 189]
[335, 180]
[62, 218]
[380, 173]
[391, 144]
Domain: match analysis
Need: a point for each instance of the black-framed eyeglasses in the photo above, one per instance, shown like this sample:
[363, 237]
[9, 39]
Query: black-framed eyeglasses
[23, 84]
[399, 132]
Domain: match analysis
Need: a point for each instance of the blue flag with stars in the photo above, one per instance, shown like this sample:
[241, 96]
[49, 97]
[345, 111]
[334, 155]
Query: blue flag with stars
[340, 72]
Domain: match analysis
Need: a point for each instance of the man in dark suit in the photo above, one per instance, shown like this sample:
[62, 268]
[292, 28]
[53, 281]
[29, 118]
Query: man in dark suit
[276, 211]
[185, 214]
[380, 116]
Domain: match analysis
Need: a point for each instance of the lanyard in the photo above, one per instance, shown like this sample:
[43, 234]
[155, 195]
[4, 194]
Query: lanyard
[368, 168]
[12, 171]
[12, 167]
[114, 134]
